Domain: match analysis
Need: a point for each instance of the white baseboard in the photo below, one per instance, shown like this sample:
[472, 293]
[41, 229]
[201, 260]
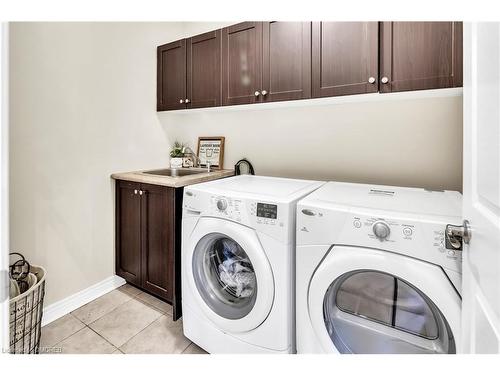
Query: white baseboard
[68, 304]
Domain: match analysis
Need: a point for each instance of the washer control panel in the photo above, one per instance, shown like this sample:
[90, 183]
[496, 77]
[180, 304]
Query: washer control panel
[274, 219]
[226, 207]
[261, 213]
[264, 213]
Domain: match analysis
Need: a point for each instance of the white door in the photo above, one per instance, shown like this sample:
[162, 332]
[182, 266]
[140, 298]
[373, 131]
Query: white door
[481, 268]
[4, 210]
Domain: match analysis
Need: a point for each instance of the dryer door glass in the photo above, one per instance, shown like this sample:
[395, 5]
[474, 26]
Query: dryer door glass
[224, 276]
[374, 312]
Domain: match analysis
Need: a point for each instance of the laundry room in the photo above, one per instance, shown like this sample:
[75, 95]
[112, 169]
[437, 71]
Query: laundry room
[186, 186]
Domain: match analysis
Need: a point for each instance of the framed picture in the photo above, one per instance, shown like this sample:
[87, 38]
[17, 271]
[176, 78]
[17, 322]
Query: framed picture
[211, 149]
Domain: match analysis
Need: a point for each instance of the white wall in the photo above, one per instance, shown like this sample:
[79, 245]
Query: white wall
[407, 142]
[82, 104]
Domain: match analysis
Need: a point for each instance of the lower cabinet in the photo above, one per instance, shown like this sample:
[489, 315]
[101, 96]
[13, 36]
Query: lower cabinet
[148, 239]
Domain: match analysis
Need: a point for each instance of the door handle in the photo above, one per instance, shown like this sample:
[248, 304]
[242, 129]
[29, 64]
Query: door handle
[308, 212]
[458, 233]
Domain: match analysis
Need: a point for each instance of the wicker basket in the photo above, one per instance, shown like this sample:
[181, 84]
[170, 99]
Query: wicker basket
[26, 316]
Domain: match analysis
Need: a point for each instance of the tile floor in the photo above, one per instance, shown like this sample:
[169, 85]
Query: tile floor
[124, 321]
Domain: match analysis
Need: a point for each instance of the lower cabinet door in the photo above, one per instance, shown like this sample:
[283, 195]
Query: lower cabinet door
[157, 240]
[128, 231]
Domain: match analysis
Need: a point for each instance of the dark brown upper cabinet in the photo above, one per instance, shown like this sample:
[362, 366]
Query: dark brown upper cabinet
[255, 62]
[420, 55]
[242, 63]
[286, 67]
[344, 58]
[171, 76]
[204, 70]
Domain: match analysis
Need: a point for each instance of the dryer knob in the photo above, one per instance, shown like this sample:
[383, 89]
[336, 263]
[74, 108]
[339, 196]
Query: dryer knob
[381, 230]
[221, 204]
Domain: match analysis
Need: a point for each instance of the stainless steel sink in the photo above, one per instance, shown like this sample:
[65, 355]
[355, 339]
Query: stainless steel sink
[175, 172]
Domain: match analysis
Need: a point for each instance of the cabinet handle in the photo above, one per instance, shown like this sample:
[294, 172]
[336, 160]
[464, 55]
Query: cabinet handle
[140, 192]
[384, 80]
[256, 93]
[187, 101]
[135, 191]
[181, 101]
[264, 92]
[371, 80]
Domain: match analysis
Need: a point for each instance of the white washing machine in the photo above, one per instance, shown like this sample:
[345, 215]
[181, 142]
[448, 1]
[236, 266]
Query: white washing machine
[375, 271]
[238, 252]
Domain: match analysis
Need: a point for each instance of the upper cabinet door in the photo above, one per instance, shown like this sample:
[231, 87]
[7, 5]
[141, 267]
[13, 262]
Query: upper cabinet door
[344, 58]
[242, 63]
[286, 73]
[420, 55]
[204, 87]
[171, 76]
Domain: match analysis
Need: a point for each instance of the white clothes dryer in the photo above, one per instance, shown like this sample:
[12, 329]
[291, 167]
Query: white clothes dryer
[375, 271]
[238, 244]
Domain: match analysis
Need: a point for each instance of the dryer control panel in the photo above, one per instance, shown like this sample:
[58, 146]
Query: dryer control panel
[422, 239]
[382, 232]
[383, 229]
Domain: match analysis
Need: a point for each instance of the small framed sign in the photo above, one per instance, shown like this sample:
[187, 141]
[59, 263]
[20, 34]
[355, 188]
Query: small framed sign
[211, 149]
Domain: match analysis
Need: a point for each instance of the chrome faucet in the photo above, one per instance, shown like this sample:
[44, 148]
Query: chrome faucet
[196, 160]
[192, 155]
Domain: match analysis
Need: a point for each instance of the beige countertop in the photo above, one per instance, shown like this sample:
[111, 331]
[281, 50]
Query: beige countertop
[178, 181]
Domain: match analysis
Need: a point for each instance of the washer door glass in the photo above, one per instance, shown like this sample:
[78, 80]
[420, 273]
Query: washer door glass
[224, 276]
[374, 312]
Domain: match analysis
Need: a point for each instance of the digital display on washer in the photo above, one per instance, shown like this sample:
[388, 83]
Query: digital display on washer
[268, 211]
